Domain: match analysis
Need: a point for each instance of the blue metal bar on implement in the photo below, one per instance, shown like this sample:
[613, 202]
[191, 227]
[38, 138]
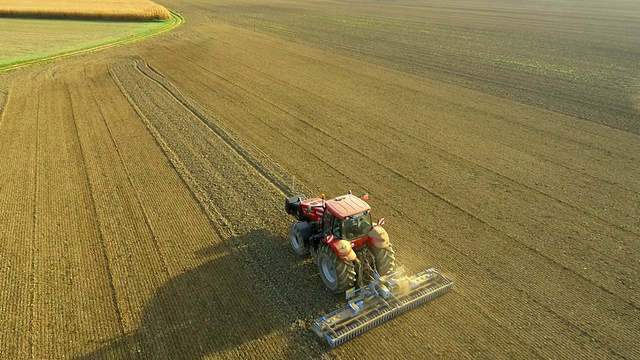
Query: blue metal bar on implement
[382, 299]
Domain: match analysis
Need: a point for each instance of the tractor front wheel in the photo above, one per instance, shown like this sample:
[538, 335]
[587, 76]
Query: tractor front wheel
[338, 275]
[297, 234]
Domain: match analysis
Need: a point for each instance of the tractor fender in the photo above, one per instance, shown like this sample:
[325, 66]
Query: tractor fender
[379, 237]
[342, 248]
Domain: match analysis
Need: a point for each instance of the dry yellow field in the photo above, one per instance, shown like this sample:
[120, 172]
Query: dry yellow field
[142, 188]
[104, 9]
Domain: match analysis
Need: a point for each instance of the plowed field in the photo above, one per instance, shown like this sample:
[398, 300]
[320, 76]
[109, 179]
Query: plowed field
[141, 188]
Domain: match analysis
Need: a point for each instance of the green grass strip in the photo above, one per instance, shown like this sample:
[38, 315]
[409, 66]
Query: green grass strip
[175, 21]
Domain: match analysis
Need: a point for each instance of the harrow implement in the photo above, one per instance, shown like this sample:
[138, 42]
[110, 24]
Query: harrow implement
[382, 299]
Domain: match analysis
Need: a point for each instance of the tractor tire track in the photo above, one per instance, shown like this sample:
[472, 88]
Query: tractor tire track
[216, 124]
[216, 217]
[168, 303]
[261, 167]
[179, 229]
[220, 224]
[252, 259]
[34, 224]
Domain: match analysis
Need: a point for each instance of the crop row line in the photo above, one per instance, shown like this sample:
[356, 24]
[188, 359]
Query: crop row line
[585, 333]
[500, 174]
[414, 62]
[328, 44]
[94, 211]
[5, 104]
[130, 181]
[34, 225]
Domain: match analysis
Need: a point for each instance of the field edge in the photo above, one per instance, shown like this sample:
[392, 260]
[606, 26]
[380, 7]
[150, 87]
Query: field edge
[174, 22]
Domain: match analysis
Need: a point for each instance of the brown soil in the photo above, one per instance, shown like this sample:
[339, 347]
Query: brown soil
[141, 196]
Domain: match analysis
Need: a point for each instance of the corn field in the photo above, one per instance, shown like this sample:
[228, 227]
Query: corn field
[108, 9]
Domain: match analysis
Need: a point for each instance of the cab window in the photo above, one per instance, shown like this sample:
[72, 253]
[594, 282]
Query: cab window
[327, 218]
[337, 227]
[357, 226]
[331, 225]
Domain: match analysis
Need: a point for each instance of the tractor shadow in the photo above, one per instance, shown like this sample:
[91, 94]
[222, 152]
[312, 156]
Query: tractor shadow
[251, 287]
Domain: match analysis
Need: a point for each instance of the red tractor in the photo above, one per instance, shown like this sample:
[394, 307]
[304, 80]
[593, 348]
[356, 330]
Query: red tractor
[348, 247]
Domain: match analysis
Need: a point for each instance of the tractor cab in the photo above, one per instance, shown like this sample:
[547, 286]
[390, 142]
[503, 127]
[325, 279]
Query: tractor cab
[349, 228]
[347, 217]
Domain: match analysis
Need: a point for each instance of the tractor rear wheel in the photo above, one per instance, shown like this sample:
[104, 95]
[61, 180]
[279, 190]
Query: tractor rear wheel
[297, 233]
[385, 260]
[338, 275]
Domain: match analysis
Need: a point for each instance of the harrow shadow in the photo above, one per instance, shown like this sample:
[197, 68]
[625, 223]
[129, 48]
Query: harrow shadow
[250, 288]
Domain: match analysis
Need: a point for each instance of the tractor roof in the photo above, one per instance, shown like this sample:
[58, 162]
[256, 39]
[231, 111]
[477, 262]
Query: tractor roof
[347, 205]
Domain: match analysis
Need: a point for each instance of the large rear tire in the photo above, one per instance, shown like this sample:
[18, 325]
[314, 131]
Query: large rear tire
[297, 233]
[385, 260]
[338, 275]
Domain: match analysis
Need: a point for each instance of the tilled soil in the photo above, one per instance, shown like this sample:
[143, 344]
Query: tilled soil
[142, 192]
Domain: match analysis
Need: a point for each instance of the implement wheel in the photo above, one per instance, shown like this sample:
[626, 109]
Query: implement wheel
[338, 275]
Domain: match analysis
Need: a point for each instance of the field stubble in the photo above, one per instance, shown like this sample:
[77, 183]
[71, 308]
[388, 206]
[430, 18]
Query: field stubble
[493, 205]
[182, 170]
[546, 56]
